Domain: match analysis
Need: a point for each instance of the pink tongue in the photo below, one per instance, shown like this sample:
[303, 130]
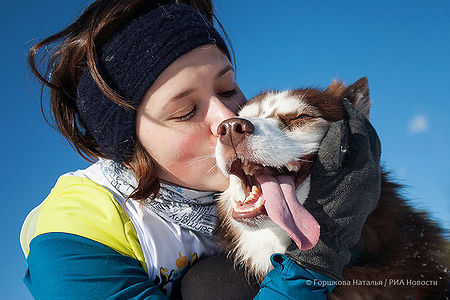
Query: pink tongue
[285, 210]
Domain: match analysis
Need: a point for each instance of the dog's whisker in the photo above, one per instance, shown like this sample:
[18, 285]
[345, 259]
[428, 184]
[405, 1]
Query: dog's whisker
[211, 169]
[199, 159]
[287, 126]
[240, 106]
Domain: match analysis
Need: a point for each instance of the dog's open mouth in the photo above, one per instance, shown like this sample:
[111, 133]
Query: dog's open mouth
[252, 205]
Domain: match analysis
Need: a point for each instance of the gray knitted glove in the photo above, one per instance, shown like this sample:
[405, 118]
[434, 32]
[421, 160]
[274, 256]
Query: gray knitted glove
[345, 188]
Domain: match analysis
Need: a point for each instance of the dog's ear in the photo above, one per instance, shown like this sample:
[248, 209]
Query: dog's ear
[358, 94]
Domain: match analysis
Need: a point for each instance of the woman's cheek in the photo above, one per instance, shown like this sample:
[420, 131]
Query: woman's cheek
[187, 154]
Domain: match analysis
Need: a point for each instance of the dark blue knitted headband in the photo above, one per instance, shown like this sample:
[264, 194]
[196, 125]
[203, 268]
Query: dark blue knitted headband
[129, 62]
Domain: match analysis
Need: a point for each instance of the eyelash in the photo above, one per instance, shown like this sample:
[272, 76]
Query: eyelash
[229, 93]
[190, 114]
[302, 116]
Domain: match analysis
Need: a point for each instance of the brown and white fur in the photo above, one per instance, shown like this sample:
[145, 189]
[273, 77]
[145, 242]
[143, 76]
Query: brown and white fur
[398, 241]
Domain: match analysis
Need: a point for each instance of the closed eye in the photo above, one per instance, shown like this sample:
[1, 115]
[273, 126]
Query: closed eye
[302, 117]
[228, 93]
[187, 116]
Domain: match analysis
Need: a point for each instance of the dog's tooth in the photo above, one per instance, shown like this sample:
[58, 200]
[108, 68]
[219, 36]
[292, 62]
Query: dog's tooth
[257, 189]
[292, 167]
[243, 164]
[254, 189]
[259, 202]
[254, 169]
[248, 169]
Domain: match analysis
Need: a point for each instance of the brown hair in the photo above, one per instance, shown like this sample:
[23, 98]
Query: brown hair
[68, 52]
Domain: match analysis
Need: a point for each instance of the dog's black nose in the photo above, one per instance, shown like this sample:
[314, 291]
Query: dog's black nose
[235, 130]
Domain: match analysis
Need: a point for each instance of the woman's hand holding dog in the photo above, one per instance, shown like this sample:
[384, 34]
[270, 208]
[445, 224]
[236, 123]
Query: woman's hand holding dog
[345, 188]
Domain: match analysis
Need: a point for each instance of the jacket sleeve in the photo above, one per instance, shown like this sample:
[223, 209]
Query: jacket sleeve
[68, 266]
[80, 244]
[290, 281]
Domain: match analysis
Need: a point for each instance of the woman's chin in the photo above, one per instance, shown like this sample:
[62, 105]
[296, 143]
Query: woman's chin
[213, 181]
[216, 182]
[224, 183]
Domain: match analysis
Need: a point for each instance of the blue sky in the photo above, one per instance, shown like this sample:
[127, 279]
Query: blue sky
[401, 46]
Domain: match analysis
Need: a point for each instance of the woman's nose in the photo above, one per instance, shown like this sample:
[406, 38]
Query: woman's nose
[218, 113]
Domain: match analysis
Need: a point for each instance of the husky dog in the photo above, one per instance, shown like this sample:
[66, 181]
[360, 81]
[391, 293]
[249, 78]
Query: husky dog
[280, 133]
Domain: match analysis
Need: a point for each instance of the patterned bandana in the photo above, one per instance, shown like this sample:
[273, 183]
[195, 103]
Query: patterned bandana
[191, 209]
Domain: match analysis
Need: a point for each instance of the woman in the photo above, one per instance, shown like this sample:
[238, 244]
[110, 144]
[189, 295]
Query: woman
[141, 87]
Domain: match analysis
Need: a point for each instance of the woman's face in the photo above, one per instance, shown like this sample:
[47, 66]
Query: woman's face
[179, 115]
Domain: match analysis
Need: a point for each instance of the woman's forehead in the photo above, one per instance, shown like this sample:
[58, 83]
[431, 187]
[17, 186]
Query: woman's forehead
[206, 60]
[197, 69]
[207, 57]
